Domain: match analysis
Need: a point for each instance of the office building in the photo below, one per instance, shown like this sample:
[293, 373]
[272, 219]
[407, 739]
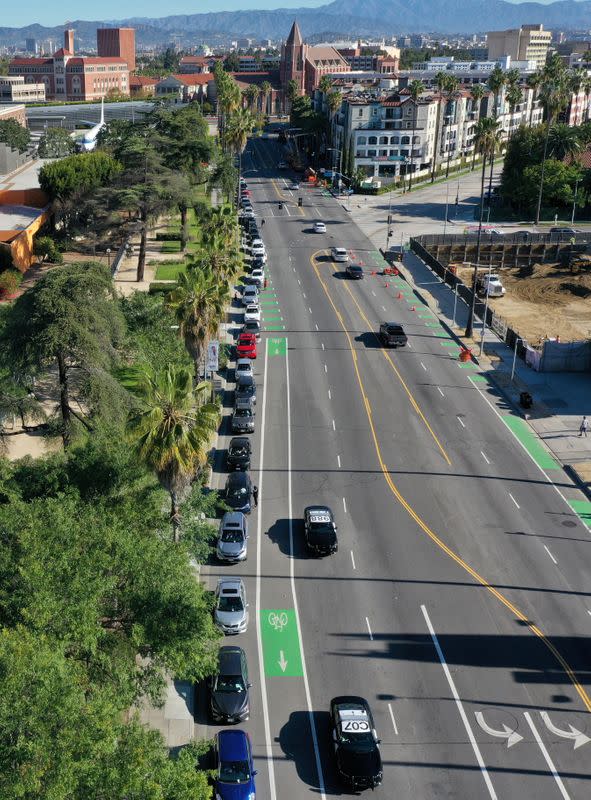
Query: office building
[528, 43]
[118, 43]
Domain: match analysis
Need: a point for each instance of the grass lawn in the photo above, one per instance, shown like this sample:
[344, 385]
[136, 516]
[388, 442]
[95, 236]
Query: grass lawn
[170, 247]
[170, 272]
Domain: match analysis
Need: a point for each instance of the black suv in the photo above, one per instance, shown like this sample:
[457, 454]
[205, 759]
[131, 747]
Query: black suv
[238, 492]
[239, 452]
[355, 271]
[355, 743]
[392, 334]
[229, 699]
[320, 530]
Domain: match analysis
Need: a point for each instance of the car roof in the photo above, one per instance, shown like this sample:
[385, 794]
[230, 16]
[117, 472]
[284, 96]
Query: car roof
[238, 478]
[233, 745]
[349, 700]
[239, 441]
[245, 336]
[230, 660]
[355, 266]
[233, 584]
[242, 362]
[233, 518]
[317, 510]
[393, 324]
[340, 249]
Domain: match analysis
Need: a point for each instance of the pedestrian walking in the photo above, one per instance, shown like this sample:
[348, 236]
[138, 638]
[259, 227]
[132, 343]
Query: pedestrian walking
[255, 495]
[584, 427]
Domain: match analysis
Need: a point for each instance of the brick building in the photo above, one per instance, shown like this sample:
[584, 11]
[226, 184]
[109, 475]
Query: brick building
[69, 77]
[306, 64]
[118, 43]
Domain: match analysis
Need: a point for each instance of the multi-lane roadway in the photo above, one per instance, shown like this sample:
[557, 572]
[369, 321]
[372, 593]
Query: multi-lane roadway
[458, 603]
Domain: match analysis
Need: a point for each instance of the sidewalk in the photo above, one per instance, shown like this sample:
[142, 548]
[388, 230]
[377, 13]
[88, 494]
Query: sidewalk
[560, 399]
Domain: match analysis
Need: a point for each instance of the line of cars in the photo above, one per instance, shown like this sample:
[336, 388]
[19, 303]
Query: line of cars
[229, 687]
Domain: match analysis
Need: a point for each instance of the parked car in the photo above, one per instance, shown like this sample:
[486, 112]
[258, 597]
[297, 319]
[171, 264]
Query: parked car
[257, 277]
[246, 387]
[243, 367]
[250, 295]
[258, 250]
[239, 452]
[238, 491]
[229, 696]
[246, 346]
[252, 327]
[234, 766]
[242, 420]
[230, 612]
[232, 541]
[252, 313]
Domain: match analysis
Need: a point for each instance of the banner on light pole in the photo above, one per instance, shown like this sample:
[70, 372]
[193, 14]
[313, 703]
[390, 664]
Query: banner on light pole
[213, 351]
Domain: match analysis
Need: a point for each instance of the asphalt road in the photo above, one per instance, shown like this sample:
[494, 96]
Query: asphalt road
[458, 603]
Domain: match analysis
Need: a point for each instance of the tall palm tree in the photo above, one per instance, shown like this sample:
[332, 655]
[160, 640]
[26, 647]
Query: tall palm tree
[452, 85]
[333, 101]
[533, 81]
[266, 90]
[477, 91]
[252, 93]
[170, 427]
[496, 80]
[486, 142]
[514, 97]
[415, 89]
[440, 82]
[238, 128]
[325, 84]
[197, 302]
[554, 94]
[563, 141]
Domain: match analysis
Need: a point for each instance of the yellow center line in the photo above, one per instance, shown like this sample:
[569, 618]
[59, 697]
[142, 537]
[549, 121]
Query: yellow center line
[432, 535]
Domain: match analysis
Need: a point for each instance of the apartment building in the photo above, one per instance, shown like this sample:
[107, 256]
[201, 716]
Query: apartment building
[527, 43]
[14, 89]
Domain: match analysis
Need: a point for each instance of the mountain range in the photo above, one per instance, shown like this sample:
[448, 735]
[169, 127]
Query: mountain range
[347, 18]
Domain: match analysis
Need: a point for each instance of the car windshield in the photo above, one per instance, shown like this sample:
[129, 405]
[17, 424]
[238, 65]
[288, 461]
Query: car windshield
[230, 602]
[229, 683]
[236, 491]
[321, 527]
[234, 772]
[232, 535]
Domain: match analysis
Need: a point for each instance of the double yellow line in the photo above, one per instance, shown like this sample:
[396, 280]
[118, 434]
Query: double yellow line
[430, 533]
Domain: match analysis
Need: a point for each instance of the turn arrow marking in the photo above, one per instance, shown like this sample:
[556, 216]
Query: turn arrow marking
[512, 737]
[282, 662]
[575, 734]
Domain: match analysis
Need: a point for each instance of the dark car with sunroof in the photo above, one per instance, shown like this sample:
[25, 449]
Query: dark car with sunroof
[229, 697]
[355, 742]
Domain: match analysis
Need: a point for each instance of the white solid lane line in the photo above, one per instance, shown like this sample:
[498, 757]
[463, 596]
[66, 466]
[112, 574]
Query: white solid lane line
[550, 554]
[294, 594]
[514, 500]
[369, 629]
[393, 720]
[268, 745]
[459, 419]
[460, 707]
[546, 755]
[484, 457]
[353, 560]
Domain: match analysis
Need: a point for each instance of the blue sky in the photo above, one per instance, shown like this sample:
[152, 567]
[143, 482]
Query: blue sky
[17, 15]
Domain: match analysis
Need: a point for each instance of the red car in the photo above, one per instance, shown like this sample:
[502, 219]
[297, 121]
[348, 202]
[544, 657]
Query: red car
[245, 192]
[246, 347]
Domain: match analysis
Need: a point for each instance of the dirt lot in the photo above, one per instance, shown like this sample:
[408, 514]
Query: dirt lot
[544, 301]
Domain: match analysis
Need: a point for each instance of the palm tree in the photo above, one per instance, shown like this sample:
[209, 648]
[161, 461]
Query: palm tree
[486, 142]
[252, 93]
[415, 89]
[477, 92]
[238, 128]
[198, 305]
[325, 84]
[170, 427]
[333, 101]
[554, 94]
[514, 97]
[440, 82]
[451, 87]
[266, 90]
[533, 81]
[496, 81]
[563, 141]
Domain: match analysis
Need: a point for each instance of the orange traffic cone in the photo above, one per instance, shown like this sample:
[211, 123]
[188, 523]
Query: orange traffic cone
[413, 309]
[386, 285]
[400, 295]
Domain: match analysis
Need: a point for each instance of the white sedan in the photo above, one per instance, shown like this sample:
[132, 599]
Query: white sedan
[257, 277]
[252, 313]
[339, 254]
[319, 227]
[258, 250]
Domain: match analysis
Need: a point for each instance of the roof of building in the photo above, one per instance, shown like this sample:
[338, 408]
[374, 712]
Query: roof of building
[79, 61]
[143, 80]
[201, 60]
[317, 54]
[62, 52]
[199, 79]
[245, 79]
[294, 37]
[23, 62]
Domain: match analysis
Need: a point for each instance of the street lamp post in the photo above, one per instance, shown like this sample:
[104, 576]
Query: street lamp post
[109, 257]
[517, 340]
[572, 219]
[485, 311]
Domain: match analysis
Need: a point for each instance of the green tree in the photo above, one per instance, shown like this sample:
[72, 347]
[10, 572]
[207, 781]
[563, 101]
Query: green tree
[440, 82]
[68, 320]
[533, 82]
[415, 89]
[563, 141]
[15, 135]
[170, 428]
[266, 90]
[496, 81]
[46, 249]
[559, 183]
[56, 143]
[77, 174]
[252, 93]
[224, 175]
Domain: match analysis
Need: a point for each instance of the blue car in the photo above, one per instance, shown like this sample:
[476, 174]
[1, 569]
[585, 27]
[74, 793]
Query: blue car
[234, 766]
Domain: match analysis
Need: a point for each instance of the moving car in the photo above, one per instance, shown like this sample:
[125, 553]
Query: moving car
[229, 698]
[355, 271]
[243, 367]
[252, 327]
[294, 186]
[246, 387]
[234, 766]
[355, 742]
[239, 452]
[252, 313]
[246, 346]
[230, 612]
[232, 541]
[320, 530]
[319, 227]
[242, 420]
[392, 334]
[339, 254]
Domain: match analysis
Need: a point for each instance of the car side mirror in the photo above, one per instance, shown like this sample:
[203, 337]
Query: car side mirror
[255, 773]
[248, 685]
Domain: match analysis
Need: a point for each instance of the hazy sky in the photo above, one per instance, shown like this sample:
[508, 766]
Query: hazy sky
[17, 15]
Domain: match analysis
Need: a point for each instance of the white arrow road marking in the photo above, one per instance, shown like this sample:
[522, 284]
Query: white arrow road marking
[282, 662]
[578, 736]
[512, 737]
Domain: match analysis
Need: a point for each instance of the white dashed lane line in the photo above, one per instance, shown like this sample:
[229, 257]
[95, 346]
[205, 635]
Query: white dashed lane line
[514, 500]
[550, 554]
[484, 457]
[353, 560]
[369, 629]
[459, 419]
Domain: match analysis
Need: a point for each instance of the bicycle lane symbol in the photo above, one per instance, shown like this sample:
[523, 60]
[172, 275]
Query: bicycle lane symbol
[281, 643]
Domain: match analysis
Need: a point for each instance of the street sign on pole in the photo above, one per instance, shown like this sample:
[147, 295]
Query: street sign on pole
[213, 349]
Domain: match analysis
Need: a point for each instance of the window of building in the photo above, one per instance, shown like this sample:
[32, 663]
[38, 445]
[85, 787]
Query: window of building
[371, 153]
[405, 140]
[361, 140]
[383, 140]
[360, 112]
[372, 140]
[383, 152]
[394, 140]
[416, 139]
